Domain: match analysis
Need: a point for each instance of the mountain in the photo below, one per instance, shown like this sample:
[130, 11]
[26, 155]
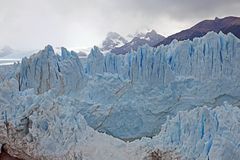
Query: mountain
[137, 34]
[226, 25]
[117, 44]
[112, 40]
[6, 51]
[10, 53]
[151, 38]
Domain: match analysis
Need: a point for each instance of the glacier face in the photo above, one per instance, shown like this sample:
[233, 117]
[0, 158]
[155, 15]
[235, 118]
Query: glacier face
[213, 56]
[47, 70]
[180, 76]
[49, 100]
[48, 127]
[202, 133]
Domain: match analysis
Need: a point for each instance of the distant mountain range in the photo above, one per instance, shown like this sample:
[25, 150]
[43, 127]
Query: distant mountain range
[226, 25]
[118, 44]
[151, 38]
[154, 39]
[8, 53]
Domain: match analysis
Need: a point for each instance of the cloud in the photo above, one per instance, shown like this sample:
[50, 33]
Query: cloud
[31, 24]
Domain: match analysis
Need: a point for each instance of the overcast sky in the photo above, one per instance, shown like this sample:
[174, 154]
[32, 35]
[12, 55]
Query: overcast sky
[32, 24]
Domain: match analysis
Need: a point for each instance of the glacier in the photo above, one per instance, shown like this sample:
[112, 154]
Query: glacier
[43, 127]
[202, 133]
[47, 70]
[101, 107]
[180, 76]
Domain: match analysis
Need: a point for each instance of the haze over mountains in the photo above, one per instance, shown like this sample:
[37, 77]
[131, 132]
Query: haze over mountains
[226, 25]
[118, 44]
[151, 38]
[9, 53]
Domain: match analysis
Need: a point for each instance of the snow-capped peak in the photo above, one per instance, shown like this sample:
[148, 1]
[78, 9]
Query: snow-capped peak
[140, 34]
[151, 38]
[113, 40]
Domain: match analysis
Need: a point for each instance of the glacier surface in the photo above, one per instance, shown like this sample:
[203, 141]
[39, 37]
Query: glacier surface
[51, 106]
[180, 76]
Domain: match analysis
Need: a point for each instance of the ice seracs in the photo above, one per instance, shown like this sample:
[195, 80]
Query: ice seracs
[47, 70]
[207, 57]
[52, 106]
[45, 127]
[160, 82]
[202, 133]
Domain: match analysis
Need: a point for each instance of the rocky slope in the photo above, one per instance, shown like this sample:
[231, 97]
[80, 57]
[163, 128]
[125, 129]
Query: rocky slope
[151, 38]
[226, 25]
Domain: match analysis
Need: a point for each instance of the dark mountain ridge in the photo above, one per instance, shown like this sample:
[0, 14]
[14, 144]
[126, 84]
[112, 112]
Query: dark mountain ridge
[226, 25]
